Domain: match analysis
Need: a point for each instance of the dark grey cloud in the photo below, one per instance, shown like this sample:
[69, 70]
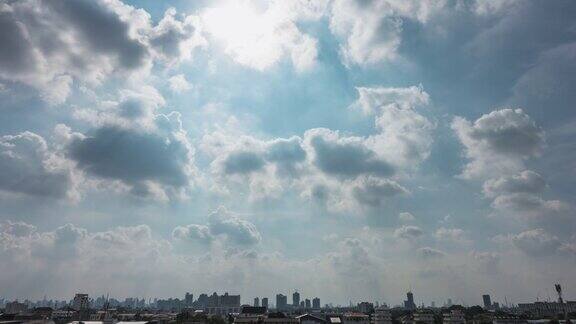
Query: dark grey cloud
[525, 182]
[174, 39]
[102, 30]
[373, 191]
[134, 156]
[508, 131]
[243, 163]
[27, 166]
[16, 54]
[498, 143]
[408, 232]
[286, 153]
[430, 253]
[347, 159]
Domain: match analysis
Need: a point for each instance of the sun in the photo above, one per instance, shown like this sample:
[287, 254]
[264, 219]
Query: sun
[248, 33]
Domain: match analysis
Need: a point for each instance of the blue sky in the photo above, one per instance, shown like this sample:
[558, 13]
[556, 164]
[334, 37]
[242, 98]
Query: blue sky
[347, 149]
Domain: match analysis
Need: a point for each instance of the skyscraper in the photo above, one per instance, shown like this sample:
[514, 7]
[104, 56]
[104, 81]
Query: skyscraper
[308, 303]
[316, 303]
[487, 301]
[265, 302]
[281, 302]
[256, 302]
[296, 299]
[188, 299]
[409, 302]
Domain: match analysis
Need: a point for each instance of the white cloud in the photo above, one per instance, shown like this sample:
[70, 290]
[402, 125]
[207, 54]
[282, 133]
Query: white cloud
[451, 234]
[261, 37]
[430, 253]
[52, 46]
[536, 242]
[408, 232]
[498, 142]
[371, 31]
[29, 166]
[178, 83]
[224, 225]
[524, 182]
[406, 217]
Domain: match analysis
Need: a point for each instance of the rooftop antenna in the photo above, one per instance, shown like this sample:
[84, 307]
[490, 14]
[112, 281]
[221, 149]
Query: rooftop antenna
[561, 301]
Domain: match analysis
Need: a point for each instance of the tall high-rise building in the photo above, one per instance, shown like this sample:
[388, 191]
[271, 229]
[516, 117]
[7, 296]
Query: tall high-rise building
[316, 303]
[487, 301]
[188, 299]
[256, 302]
[308, 303]
[265, 302]
[81, 302]
[296, 299]
[409, 302]
[281, 302]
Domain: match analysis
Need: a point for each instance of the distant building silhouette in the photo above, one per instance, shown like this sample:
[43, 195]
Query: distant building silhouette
[296, 299]
[409, 302]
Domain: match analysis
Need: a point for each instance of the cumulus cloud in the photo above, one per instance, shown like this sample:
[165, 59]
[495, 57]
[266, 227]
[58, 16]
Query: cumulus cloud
[175, 40]
[430, 253]
[373, 191]
[371, 31]
[404, 135]
[52, 45]
[224, 225]
[178, 83]
[324, 165]
[162, 156]
[373, 100]
[259, 38]
[28, 166]
[536, 242]
[408, 232]
[344, 156]
[406, 217]
[498, 142]
[243, 162]
[524, 182]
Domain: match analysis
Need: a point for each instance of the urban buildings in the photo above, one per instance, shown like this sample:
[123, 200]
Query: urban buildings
[281, 302]
[81, 301]
[455, 316]
[409, 302]
[256, 302]
[487, 301]
[382, 316]
[265, 302]
[296, 299]
[15, 307]
[316, 303]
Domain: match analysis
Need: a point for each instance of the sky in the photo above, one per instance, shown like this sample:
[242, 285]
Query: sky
[350, 150]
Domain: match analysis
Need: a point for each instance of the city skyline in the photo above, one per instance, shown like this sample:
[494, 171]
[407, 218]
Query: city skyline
[350, 150]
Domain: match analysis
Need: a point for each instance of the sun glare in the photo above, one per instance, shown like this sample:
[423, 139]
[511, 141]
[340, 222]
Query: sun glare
[246, 32]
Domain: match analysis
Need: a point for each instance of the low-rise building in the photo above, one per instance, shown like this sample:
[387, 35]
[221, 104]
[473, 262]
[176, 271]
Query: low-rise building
[382, 316]
[455, 316]
[424, 317]
[355, 318]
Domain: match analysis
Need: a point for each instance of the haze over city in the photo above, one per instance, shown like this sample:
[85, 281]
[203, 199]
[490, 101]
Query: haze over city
[348, 150]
